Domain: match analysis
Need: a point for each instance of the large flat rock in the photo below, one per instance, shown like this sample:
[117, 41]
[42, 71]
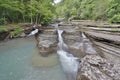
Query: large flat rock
[79, 45]
[47, 42]
[104, 37]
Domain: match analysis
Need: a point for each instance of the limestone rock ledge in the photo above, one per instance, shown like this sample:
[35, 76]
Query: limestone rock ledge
[78, 45]
[93, 67]
[47, 42]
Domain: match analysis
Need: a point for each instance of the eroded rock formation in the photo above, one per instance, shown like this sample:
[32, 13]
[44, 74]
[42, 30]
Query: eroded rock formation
[78, 43]
[47, 42]
[93, 67]
[72, 39]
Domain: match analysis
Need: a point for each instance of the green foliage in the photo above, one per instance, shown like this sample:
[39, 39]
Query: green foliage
[90, 9]
[46, 17]
[114, 11]
[3, 21]
[115, 19]
[34, 11]
[17, 31]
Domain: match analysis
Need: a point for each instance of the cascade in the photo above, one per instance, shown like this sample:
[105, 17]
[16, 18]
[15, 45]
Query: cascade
[68, 61]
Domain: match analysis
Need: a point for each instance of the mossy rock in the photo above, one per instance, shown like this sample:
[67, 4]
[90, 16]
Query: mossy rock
[16, 31]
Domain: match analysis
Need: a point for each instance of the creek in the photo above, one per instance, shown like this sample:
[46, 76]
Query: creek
[19, 60]
[68, 61]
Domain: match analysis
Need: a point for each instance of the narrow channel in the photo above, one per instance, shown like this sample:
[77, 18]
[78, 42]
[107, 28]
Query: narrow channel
[68, 61]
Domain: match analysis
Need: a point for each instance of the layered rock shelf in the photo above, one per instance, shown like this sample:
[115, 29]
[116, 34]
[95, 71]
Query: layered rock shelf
[94, 67]
[47, 42]
[90, 23]
[94, 59]
[104, 37]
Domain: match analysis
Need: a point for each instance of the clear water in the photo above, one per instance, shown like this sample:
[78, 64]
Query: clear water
[19, 60]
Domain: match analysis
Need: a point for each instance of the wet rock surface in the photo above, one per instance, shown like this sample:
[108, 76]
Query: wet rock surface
[79, 45]
[47, 42]
[93, 67]
[72, 39]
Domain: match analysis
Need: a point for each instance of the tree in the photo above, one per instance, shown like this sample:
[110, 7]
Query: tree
[34, 11]
[90, 9]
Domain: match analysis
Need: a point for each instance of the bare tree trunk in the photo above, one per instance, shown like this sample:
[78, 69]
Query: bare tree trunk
[31, 13]
[23, 13]
[31, 20]
[36, 19]
[23, 18]
[39, 19]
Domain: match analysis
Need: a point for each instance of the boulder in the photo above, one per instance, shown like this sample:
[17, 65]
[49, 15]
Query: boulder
[47, 42]
[22, 34]
[93, 67]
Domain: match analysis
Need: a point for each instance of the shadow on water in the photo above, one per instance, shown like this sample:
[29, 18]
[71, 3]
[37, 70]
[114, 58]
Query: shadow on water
[39, 61]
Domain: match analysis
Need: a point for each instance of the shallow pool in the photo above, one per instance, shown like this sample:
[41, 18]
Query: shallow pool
[20, 60]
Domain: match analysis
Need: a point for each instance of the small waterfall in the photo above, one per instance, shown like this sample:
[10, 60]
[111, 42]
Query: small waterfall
[68, 61]
[33, 32]
[83, 35]
[61, 44]
[60, 38]
[87, 45]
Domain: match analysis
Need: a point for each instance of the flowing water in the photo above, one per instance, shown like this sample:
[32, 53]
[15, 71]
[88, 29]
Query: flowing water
[68, 61]
[19, 60]
[87, 45]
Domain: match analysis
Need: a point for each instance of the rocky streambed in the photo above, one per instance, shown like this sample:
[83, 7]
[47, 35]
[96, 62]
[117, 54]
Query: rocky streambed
[97, 48]
[95, 62]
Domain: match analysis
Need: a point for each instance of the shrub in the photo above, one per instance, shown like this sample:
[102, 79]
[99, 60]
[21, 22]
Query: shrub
[115, 19]
[3, 21]
[17, 31]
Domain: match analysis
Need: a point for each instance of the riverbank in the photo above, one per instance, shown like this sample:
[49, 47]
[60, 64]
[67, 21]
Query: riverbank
[12, 31]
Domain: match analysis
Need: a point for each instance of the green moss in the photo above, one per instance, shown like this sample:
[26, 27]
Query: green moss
[17, 31]
[3, 29]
